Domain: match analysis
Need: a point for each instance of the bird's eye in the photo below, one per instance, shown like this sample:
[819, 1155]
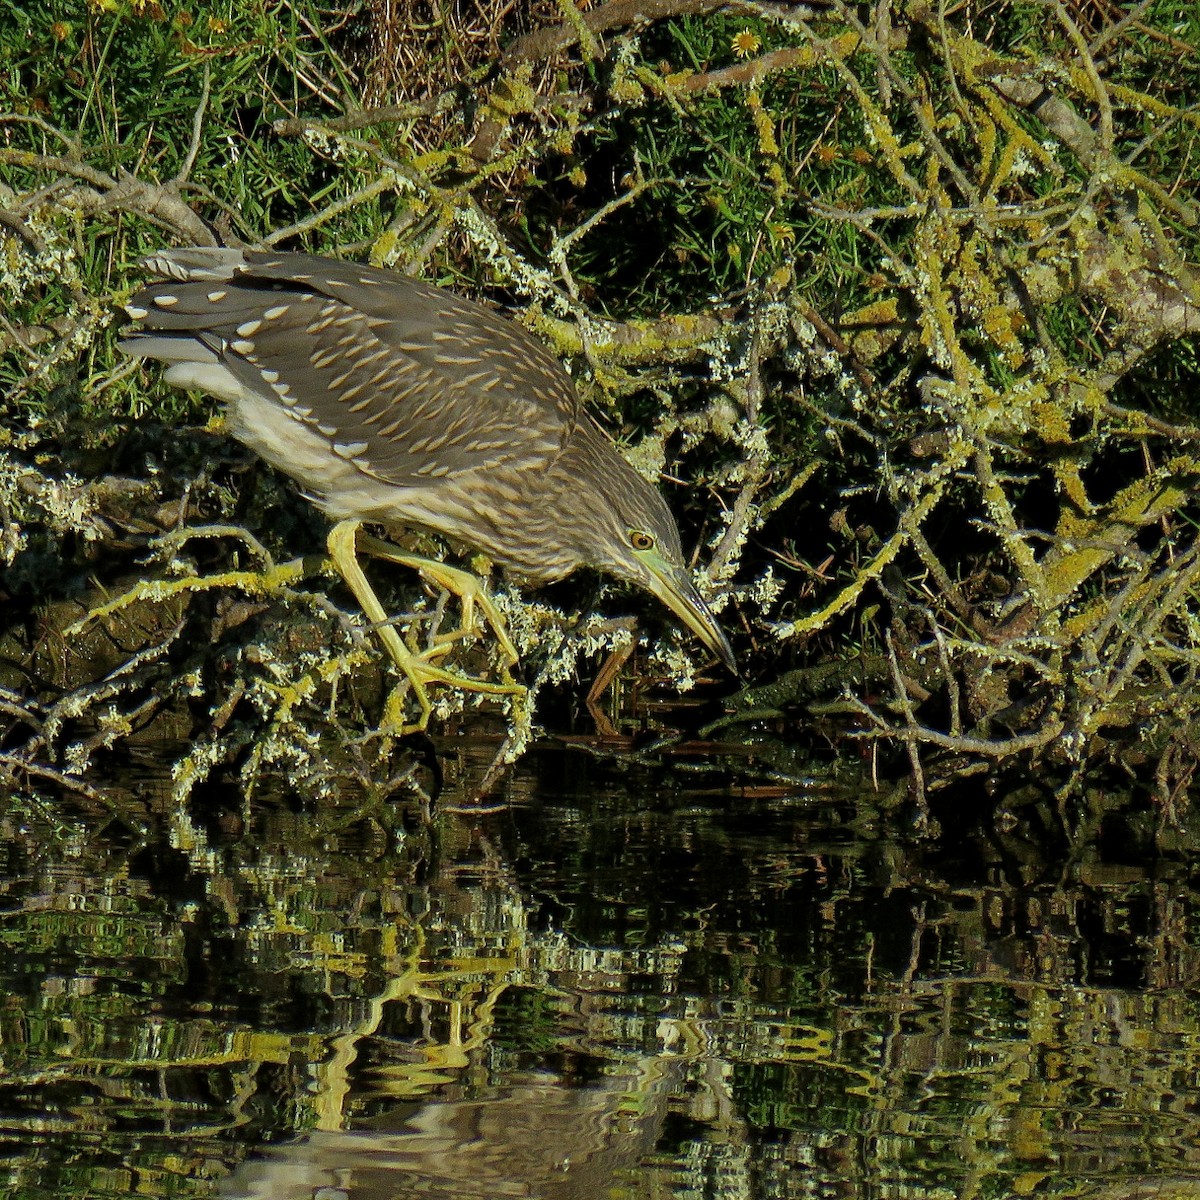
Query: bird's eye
[640, 541]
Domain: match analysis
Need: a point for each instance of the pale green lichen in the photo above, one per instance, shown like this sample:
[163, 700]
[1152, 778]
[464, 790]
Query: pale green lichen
[529, 279]
[676, 663]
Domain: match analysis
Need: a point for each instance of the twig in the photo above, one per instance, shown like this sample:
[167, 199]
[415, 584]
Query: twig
[377, 187]
[10, 220]
[545, 43]
[18, 766]
[911, 728]
[189, 160]
[362, 118]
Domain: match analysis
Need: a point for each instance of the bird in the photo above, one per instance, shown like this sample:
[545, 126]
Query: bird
[399, 404]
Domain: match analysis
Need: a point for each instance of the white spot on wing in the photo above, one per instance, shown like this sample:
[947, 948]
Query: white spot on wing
[249, 328]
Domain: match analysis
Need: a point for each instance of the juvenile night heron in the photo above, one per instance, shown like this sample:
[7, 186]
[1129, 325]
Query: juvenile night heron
[396, 403]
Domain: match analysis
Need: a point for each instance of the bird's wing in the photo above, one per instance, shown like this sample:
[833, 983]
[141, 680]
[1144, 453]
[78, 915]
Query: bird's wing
[408, 381]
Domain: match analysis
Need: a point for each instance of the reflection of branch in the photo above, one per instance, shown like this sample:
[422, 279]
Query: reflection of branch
[15, 767]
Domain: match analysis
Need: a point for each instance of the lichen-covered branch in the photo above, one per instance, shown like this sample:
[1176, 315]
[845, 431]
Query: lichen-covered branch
[902, 320]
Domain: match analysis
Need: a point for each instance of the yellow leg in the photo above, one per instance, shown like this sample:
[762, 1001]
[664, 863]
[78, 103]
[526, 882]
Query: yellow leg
[467, 587]
[345, 542]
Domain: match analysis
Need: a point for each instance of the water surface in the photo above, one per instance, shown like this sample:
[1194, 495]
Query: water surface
[623, 982]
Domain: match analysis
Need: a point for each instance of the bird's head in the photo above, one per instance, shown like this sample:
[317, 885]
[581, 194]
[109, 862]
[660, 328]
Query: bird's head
[624, 527]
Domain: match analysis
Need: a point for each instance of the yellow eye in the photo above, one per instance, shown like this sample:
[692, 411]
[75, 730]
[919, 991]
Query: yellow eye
[640, 541]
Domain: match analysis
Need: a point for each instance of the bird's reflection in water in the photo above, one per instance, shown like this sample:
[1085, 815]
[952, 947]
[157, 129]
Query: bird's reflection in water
[535, 1138]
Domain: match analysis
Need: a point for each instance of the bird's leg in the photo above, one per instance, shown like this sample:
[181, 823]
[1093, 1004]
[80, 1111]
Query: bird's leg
[467, 587]
[345, 542]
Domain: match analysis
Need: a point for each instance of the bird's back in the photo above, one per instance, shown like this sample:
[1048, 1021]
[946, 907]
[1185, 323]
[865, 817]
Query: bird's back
[404, 382]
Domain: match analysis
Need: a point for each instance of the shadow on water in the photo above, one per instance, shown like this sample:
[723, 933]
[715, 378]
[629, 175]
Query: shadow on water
[624, 983]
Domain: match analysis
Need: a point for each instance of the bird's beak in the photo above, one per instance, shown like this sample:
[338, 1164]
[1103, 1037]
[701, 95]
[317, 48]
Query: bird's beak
[674, 587]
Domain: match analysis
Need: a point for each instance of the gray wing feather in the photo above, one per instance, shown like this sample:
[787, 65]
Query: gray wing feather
[426, 383]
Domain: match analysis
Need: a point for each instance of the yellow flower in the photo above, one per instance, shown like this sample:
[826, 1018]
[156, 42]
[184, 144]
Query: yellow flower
[744, 43]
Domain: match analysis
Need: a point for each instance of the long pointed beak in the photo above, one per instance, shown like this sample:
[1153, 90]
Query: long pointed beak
[675, 589]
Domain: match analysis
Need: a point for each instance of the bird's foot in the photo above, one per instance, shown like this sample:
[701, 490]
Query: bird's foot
[468, 587]
[421, 668]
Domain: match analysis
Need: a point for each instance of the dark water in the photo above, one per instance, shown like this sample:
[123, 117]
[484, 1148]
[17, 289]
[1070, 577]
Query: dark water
[626, 983]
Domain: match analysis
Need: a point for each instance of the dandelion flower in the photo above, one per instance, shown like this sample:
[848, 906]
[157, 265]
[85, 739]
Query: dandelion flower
[744, 43]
